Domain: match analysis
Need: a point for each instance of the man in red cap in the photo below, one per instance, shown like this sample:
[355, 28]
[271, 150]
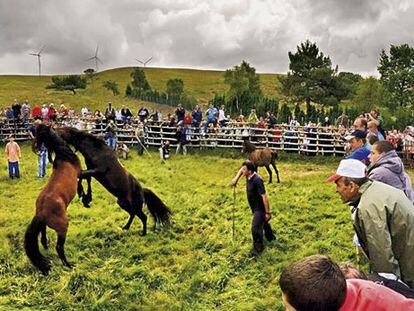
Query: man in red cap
[383, 219]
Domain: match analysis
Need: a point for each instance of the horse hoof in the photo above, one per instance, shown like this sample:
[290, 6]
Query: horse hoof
[125, 228]
[143, 233]
[69, 265]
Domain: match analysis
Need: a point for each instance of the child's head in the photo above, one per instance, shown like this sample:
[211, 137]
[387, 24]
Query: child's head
[313, 283]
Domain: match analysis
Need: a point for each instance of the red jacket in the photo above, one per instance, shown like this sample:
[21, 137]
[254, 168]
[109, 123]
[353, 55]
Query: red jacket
[369, 296]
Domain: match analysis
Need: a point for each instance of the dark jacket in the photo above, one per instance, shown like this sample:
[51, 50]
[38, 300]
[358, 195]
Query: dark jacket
[389, 169]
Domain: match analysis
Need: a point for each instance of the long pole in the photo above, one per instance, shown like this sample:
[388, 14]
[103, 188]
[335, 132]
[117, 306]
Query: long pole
[234, 208]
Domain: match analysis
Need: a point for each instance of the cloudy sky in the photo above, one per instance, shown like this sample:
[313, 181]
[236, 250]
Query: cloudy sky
[211, 34]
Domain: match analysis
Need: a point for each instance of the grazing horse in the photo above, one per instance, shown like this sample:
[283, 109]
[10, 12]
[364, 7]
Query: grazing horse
[53, 200]
[261, 157]
[103, 164]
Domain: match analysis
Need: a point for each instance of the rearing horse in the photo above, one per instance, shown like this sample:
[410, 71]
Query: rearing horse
[53, 200]
[103, 164]
[261, 157]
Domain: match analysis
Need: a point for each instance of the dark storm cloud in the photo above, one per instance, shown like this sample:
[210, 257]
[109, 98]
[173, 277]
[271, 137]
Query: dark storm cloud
[195, 33]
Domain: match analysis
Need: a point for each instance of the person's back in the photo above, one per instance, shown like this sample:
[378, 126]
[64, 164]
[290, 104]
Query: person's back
[384, 221]
[369, 296]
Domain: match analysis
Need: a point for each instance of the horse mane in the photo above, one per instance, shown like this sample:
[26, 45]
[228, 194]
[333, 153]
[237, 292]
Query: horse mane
[79, 136]
[55, 144]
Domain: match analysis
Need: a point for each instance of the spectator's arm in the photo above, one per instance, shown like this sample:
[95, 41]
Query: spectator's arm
[18, 151]
[237, 177]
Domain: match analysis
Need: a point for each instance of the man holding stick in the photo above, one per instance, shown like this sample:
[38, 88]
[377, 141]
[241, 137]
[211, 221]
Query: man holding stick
[259, 203]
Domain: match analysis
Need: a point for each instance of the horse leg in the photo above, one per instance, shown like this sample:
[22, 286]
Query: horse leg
[270, 173]
[128, 224]
[60, 248]
[43, 238]
[143, 218]
[88, 197]
[81, 192]
[276, 170]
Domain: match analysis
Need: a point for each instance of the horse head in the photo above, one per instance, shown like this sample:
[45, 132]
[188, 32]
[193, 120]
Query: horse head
[248, 146]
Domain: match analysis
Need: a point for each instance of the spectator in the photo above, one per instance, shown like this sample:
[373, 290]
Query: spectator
[197, 116]
[326, 122]
[375, 115]
[357, 141]
[143, 114]
[382, 217]
[13, 155]
[373, 130]
[10, 114]
[45, 113]
[261, 123]
[25, 111]
[212, 114]
[63, 112]
[222, 116]
[140, 137]
[293, 123]
[180, 113]
[387, 167]
[360, 124]
[252, 118]
[259, 204]
[110, 134]
[352, 272]
[270, 119]
[84, 112]
[123, 150]
[110, 114]
[181, 136]
[16, 110]
[71, 113]
[342, 120]
[317, 283]
[37, 113]
[165, 150]
[51, 113]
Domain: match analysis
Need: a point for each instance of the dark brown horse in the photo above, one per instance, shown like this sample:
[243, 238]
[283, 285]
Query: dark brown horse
[261, 157]
[53, 200]
[103, 165]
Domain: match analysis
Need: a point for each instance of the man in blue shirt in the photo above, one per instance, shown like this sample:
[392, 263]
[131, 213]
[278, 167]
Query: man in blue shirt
[357, 141]
[212, 114]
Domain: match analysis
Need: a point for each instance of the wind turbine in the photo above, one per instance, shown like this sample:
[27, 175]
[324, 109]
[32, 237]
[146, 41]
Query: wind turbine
[38, 59]
[96, 58]
[144, 63]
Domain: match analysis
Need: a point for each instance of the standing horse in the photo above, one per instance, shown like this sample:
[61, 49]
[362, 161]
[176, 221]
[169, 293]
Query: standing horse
[103, 164]
[53, 200]
[261, 157]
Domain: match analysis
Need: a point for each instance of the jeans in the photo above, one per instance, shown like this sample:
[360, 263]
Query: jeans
[41, 164]
[111, 142]
[208, 121]
[14, 169]
[259, 224]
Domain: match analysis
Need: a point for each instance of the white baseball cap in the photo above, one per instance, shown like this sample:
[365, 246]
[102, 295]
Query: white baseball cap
[349, 168]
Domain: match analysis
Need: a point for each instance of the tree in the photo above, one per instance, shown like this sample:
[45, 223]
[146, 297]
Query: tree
[139, 80]
[243, 82]
[112, 86]
[368, 94]
[175, 88]
[90, 73]
[397, 74]
[69, 83]
[311, 77]
[349, 82]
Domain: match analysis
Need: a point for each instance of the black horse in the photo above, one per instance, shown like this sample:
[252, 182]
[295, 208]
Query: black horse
[102, 164]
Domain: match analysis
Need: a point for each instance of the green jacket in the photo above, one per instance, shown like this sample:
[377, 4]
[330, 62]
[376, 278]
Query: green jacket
[384, 223]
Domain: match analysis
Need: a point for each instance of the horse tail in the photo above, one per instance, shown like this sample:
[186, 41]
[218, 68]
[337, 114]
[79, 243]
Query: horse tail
[31, 245]
[159, 211]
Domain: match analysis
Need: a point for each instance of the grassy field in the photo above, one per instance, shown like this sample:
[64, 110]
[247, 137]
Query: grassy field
[199, 83]
[195, 264]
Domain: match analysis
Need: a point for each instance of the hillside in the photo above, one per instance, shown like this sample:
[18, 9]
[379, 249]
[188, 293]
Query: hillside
[199, 83]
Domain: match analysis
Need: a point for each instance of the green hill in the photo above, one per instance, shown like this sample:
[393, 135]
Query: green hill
[198, 83]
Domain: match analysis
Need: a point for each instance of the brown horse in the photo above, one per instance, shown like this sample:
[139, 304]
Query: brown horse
[261, 157]
[53, 200]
